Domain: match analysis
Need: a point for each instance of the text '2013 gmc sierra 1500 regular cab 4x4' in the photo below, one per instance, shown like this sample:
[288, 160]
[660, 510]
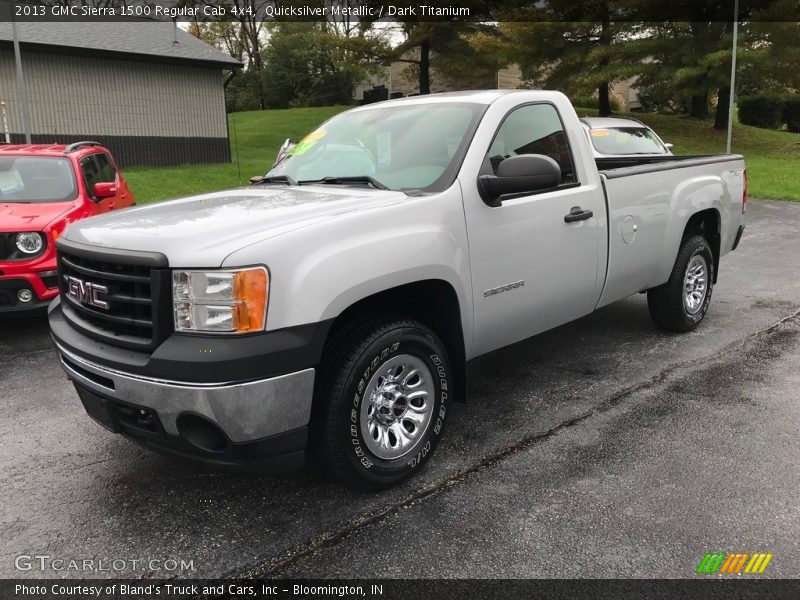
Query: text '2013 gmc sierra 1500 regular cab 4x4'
[333, 306]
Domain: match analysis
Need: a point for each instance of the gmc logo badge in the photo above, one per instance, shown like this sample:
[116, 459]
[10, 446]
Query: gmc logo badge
[86, 292]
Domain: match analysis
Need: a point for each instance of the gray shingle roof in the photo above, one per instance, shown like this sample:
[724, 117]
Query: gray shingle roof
[147, 38]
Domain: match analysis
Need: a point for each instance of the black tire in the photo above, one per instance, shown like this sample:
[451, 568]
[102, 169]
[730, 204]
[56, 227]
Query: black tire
[666, 302]
[354, 357]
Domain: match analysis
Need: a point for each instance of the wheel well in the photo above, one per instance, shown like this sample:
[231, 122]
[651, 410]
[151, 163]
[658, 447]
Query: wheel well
[432, 302]
[707, 224]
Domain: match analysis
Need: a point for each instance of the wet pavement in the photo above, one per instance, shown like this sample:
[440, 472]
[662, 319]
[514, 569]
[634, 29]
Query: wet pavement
[604, 448]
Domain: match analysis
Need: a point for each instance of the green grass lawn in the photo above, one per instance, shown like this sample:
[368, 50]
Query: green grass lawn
[258, 135]
[773, 157]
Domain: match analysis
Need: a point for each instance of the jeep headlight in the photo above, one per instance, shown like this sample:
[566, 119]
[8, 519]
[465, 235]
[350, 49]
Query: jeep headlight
[224, 301]
[30, 242]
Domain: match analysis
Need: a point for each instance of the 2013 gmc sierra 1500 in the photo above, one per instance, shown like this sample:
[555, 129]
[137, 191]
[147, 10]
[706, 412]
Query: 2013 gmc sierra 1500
[334, 305]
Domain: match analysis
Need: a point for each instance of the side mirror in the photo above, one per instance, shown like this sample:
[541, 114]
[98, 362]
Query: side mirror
[526, 173]
[668, 146]
[105, 189]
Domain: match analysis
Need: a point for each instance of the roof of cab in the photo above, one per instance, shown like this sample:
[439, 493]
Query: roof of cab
[472, 96]
[32, 149]
[41, 149]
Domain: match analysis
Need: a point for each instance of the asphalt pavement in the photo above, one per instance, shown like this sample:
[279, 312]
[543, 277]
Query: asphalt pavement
[604, 448]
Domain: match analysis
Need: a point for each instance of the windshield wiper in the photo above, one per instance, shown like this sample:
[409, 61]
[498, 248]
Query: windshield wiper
[285, 179]
[348, 179]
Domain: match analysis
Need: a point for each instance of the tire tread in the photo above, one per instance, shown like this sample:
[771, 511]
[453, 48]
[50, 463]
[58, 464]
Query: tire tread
[665, 302]
[339, 358]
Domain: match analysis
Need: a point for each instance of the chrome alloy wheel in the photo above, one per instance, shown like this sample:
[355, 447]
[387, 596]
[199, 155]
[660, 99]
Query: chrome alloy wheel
[397, 407]
[695, 284]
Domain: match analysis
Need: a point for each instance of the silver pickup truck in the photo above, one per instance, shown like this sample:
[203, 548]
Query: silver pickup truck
[333, 307]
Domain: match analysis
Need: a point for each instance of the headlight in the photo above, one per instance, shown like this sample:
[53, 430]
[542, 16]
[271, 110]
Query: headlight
[30, 242]
[220, 301]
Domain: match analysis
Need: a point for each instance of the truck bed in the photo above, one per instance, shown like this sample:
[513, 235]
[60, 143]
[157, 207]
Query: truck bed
[613, 168]
[645, 199]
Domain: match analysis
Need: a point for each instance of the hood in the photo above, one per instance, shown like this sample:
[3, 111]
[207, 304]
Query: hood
[17, 216]
[200, 231]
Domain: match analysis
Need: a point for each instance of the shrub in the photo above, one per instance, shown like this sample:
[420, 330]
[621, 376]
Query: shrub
[791, 114]
[762, 110]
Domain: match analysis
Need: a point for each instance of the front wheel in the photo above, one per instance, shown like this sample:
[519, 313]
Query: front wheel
[681, 303]
[381, 401]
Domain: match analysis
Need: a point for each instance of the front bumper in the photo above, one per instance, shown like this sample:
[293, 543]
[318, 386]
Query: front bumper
[11, 286]
[36, 275]
[257, 425]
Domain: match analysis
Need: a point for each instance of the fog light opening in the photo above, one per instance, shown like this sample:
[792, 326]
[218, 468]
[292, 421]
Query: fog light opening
[201, 433]
[145, 417]
[25, 295]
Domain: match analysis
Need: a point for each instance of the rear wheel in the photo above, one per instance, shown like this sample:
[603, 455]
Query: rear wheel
[380, 402]
[682, 302]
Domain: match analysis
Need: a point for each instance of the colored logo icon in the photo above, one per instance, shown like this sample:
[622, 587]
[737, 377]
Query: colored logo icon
[734, 562]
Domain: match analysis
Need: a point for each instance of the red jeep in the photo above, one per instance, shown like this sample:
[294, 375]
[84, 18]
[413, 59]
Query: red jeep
[43, 188]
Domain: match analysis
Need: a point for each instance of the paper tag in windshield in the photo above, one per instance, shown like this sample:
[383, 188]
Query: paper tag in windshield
[307, 142]
[600, 133]
[11, 182]
[383, 140]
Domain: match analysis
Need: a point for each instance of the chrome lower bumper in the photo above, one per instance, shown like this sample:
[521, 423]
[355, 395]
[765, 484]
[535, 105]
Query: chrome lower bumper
[244, 411]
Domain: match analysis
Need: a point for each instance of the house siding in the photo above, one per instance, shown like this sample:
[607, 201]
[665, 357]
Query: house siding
[157, 114]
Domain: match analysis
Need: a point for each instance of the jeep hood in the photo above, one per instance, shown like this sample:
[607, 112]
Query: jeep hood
[20, 216]
[200, 231]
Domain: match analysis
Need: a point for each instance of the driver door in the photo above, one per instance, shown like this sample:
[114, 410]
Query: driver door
[531, 270]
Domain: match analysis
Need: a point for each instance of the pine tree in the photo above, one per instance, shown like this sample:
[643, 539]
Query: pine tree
[578, 46]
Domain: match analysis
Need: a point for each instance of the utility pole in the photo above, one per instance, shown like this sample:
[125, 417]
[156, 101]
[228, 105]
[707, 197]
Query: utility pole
[23, 88]
[733, 74]
[5, 122]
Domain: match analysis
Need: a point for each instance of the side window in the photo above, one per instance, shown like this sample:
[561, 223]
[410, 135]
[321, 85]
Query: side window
[105, 168]
[90, 173]
[97, 168]
[533, 129]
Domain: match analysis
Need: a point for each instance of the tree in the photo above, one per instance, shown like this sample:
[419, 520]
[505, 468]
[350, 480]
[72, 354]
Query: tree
[243, 37]
[442, 45]
[310, 64]
[770, 56]
[224, 35]
[694, 57]
[554, 51]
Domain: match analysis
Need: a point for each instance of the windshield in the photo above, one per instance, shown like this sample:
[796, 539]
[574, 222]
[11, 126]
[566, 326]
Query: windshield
[35, 179]
[414, 147]
[626, 140]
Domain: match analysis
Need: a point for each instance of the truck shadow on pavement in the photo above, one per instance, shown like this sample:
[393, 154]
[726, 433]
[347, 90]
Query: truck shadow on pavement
[72, 486]
[125, 498]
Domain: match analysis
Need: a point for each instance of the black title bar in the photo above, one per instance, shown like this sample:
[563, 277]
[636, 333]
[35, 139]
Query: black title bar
[400, 10]
[400, 589]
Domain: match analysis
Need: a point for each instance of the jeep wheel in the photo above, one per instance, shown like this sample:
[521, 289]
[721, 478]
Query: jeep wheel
[681, 303]
[380, 402]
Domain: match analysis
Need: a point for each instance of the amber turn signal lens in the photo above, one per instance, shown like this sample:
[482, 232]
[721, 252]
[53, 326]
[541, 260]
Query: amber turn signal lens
[250, 293]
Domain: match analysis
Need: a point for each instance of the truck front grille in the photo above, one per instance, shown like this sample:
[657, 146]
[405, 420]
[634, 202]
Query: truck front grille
[137, 298]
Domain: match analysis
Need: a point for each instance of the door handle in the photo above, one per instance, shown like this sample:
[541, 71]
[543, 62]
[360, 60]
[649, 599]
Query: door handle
[576, 213]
